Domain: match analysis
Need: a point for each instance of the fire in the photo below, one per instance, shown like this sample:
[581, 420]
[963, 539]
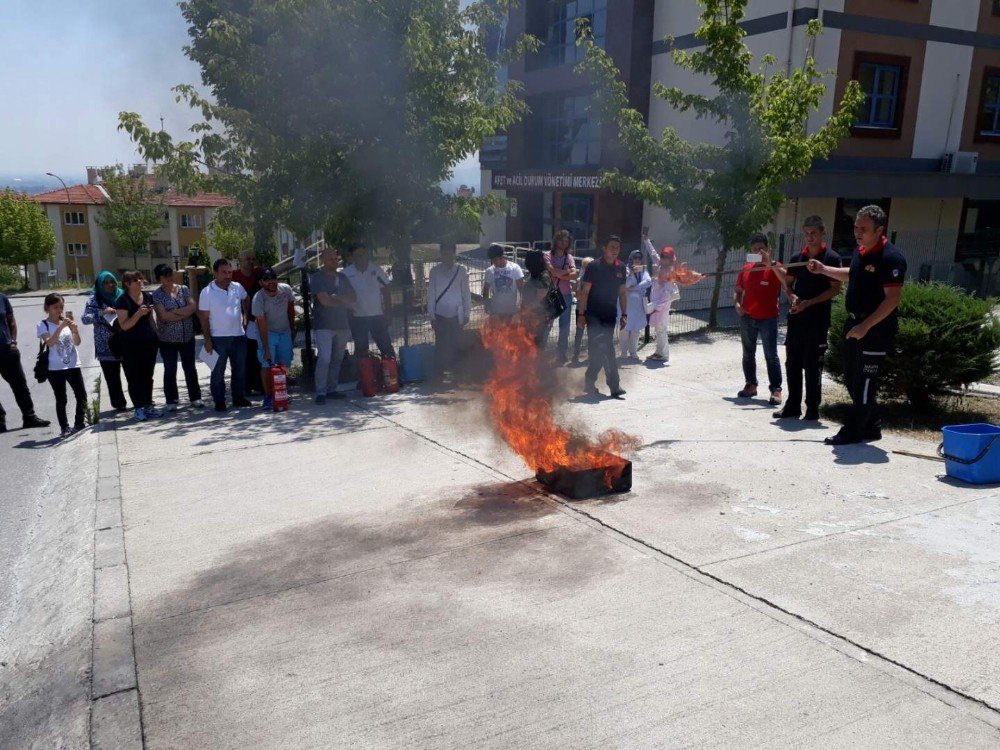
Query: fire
[521, 408]
[684, 275]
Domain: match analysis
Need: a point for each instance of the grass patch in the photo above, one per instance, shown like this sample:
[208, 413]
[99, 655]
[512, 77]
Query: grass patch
[93, 413]
[921, 424]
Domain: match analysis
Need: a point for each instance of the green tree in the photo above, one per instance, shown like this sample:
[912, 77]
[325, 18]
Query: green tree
[346, 113]
[723, 193]
[230, 232]
[133, 214]
[25, 233]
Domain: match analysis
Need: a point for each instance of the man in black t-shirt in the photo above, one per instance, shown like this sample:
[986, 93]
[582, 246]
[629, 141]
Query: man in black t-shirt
[874, 287]
[808, 321]
[11, 370]
[602, 293]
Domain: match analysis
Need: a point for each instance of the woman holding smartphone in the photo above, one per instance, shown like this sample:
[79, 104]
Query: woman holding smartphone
[62, 336]
[139, 344]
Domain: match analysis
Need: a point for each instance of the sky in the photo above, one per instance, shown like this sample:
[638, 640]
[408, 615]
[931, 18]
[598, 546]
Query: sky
[70, 66]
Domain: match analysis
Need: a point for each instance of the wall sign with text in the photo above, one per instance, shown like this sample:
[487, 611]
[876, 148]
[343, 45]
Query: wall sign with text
[545, 181]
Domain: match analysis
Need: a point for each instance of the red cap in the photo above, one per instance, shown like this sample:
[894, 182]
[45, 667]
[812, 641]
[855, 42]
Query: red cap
[668, 252]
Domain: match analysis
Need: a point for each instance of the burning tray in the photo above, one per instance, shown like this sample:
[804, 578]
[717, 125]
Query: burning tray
[585, 483]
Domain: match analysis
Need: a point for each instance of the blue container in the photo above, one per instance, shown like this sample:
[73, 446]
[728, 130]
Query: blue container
[972, 452]
[415, 362]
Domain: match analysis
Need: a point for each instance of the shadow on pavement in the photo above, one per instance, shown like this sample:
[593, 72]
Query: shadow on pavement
[859, 453]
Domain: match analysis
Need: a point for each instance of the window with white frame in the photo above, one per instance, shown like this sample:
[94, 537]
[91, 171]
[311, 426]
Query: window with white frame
[75, 218]
[191, 221]
[76, 249]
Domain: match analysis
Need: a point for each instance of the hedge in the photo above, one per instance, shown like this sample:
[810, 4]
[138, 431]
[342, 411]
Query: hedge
[947, 340]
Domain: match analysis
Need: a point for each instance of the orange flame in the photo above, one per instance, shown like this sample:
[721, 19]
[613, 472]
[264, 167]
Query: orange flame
[522, 410]
[684, 275]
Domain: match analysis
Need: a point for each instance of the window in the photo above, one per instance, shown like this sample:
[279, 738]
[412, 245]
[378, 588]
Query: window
[883, 79]
[562, 29]
[979, 234]
[570, 136]
[76, 249]
[843, 241]
[191, 221]
[988, 126]
[74, 218]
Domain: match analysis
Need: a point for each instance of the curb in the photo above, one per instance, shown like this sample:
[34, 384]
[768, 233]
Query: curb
[115, 713]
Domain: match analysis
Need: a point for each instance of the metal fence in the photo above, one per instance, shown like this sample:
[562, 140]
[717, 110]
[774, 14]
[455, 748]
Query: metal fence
[930, 257]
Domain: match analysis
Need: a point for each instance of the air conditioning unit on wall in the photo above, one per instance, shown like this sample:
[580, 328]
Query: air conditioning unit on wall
[960, 162]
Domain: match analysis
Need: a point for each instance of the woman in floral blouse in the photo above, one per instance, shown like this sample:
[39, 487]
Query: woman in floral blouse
[175, 308]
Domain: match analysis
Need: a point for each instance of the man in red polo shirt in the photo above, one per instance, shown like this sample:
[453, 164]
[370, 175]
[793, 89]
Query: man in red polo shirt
[758, 289]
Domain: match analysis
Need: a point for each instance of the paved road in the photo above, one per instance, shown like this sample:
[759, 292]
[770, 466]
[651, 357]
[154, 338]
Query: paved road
[27, 461]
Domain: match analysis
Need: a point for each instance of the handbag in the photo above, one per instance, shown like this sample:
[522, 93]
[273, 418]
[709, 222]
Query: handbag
[555, 303]
[115, 343]
[42, 361]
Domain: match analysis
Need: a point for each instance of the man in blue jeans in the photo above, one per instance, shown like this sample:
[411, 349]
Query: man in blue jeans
[758, 289]
[223, 308]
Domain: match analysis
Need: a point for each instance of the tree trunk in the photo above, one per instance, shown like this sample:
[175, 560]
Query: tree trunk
[720, 266]
[26, 286]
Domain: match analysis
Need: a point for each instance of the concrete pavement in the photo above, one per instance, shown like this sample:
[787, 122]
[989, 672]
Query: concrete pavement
[382, 573]
[47, 490]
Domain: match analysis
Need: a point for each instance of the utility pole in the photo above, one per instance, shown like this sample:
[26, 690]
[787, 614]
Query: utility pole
[76, 259]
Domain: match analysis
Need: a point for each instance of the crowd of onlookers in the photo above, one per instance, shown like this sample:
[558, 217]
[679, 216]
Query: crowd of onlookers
[247, 318]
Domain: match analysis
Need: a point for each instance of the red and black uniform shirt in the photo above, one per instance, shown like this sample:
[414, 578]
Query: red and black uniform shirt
[872, 271]
[761, 290]
[807, 285]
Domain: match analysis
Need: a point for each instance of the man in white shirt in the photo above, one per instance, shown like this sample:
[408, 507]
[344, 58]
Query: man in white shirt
[449, 305]
[223, 307]
[502, 284]
[371, 286]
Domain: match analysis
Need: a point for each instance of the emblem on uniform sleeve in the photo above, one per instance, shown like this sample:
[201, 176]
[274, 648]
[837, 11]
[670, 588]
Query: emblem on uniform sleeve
[870, 269]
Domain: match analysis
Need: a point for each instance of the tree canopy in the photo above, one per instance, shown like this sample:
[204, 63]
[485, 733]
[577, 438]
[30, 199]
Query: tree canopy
[339, 113]
[724, 192]
[25, 233]
[133, 213]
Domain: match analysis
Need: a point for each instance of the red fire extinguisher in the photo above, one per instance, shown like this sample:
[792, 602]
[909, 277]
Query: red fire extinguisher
[279, 397]
[390, 375]
[369, 375]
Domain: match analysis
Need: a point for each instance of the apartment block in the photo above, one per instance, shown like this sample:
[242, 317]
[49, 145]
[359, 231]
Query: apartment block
[84, 249]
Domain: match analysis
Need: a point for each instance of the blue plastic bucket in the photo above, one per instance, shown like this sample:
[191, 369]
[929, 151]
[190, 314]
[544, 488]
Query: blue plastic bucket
[415, 362]
[971, 452]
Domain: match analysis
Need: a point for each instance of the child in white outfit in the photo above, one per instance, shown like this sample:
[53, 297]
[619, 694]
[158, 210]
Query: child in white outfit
[636, 284]
[665, 290]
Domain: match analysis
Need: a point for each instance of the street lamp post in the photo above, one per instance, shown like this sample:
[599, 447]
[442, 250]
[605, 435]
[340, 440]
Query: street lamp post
[76, 260]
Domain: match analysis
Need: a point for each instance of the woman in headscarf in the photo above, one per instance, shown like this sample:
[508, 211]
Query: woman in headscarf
[636, 284]
[100, 313]
[533, 295]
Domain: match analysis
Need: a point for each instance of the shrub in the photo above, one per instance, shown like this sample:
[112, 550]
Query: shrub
[11, 279]
[947, 340]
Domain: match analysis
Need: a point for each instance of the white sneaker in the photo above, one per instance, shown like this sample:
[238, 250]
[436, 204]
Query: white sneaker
[171, 407]
[152, 411]
[198, 404]
[140, 415]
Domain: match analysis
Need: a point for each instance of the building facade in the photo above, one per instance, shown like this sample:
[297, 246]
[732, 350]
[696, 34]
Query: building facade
[84, 249]
[926, 144]
[549, 164]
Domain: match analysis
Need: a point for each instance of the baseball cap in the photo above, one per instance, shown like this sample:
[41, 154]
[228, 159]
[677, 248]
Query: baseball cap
[267, 274]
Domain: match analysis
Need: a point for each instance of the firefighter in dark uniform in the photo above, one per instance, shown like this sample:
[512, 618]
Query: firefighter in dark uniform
[874, 287]
[808, 321]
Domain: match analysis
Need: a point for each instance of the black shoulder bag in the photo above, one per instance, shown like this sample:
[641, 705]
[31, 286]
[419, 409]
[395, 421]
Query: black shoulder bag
[42, 361]
[555, 303]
